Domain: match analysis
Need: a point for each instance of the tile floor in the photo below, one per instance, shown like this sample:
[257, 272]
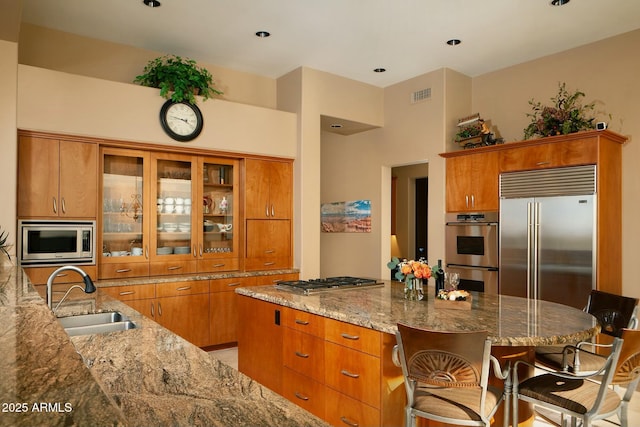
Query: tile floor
[230, 357]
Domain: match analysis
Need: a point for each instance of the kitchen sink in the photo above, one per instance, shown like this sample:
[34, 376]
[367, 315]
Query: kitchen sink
[97, 323]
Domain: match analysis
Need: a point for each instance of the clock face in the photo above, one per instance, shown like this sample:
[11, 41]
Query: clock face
[182, 121]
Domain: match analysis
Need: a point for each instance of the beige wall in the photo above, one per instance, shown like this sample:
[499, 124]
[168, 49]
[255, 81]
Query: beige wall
[67, 103]
[8, 139]
[57, 50]
[607, 72]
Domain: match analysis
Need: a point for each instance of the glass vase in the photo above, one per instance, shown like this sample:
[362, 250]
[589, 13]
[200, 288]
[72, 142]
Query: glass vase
[413, 290]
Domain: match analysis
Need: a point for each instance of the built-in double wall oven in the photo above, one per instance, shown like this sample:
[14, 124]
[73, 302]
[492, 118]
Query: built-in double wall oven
[471, 248]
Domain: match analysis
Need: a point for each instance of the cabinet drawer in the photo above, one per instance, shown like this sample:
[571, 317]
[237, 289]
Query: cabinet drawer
[272, 279]
[220, 264]
[130, 292]
[345, 411]
[224, 285]
[40, 275]
[353, 336]
[268, 263]
[123, 269]
[304, 392]
[569, 153]
[353, 373]
[304, 354]
[182, 288]
[172, 267]
[303, 321]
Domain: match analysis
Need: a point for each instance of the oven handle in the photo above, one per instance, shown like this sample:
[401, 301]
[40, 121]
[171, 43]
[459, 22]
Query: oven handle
[489, 224]
[468, 267]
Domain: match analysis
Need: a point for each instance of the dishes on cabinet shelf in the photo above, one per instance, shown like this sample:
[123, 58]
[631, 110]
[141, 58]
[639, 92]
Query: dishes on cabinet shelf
[170, 227]
[181, 250]
[164, 250]
[184, 226]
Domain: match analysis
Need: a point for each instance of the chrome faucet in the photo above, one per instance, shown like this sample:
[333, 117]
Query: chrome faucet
[89, 287]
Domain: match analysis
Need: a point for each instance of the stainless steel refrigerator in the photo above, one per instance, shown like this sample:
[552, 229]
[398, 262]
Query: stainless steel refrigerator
[548, 234]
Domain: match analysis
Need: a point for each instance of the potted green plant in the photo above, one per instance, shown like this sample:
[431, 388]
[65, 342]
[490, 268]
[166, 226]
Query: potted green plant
[567, 115]
[4, 246]
[178, 79]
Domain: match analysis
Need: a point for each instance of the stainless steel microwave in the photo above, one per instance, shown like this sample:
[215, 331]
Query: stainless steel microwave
[56, 242]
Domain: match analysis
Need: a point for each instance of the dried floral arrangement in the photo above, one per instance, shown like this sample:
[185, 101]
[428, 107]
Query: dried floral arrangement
[567, 115]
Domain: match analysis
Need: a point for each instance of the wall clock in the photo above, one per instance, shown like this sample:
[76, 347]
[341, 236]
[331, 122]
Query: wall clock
[181, 121]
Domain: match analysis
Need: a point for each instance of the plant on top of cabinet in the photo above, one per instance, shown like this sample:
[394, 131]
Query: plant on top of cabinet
[4, 246]
[567, 115]
[178, 79]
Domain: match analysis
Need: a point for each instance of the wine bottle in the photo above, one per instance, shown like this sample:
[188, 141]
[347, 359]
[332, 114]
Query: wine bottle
[439, 278]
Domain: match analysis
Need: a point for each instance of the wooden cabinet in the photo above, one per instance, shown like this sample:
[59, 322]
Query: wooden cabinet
[472, 183]
[268, 244]
[40, 275]
[154, 220]
[602, 148]
[335, 370]
[57, 178]
[223, 309]
[260, 341]
[269, 187]
[549, 155]
[181, 307]
[268, 206]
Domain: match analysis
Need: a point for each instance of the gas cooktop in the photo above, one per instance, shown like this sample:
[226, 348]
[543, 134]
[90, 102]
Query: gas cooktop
[313, 286]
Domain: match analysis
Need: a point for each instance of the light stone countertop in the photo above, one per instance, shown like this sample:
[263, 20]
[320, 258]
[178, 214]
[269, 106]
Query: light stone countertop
[146, 376]
[510, 321]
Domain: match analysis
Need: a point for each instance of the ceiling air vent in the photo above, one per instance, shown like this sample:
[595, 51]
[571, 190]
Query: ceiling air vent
[420, 95]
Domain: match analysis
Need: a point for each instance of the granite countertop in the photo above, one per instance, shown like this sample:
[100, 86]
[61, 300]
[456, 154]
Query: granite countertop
[140, 377]
[510, 321]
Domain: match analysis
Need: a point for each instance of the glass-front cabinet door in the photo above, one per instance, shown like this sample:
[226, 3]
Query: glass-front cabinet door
[218, 219]
[124, 218]
[173, 231]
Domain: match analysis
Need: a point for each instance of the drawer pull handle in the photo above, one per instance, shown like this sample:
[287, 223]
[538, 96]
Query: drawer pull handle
[350, 337]
[61, 275]
[349, 374]
[123, 270]
[543, 163]
[269, 263]
[301, 397]
[303, 355]
[184, 288]
[218, 265]
[175, 267]
[123, 293]
[234, 284]
[270, 251]
[349, 422]
[302, 322]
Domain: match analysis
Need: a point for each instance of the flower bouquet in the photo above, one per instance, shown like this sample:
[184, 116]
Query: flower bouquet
[413, 273]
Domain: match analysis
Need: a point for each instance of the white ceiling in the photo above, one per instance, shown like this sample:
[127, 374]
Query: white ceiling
[345, 37]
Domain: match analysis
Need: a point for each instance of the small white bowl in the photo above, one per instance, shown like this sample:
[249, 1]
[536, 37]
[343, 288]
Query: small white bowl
[179, 201]
[168, 200]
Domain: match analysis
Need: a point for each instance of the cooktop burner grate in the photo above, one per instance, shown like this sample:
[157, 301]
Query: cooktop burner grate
[313, 286]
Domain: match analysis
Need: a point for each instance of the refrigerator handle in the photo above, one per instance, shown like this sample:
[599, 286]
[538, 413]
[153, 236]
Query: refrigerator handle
[529, 245]
[536, 241]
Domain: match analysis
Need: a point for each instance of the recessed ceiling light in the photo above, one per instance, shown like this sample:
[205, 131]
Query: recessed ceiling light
[151, 3]
[559, 2]
[263, 34]
[335, 125]
[454, 42]
[379, 70]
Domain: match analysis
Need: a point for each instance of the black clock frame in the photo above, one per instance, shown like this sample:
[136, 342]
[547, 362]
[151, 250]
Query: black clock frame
[171, 133]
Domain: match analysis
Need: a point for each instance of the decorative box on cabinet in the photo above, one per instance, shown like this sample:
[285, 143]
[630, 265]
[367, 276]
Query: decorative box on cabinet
[68, 188]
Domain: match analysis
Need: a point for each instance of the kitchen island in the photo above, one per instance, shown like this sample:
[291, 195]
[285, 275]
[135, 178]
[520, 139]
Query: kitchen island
[348, 335]
[140, 377]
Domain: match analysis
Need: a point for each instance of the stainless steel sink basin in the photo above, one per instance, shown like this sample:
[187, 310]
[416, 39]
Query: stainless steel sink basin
[97, 323]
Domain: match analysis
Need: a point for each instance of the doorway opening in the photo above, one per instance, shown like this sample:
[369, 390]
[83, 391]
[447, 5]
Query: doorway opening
[409, 211]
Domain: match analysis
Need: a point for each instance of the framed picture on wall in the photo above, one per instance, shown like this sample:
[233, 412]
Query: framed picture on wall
[346, 217]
